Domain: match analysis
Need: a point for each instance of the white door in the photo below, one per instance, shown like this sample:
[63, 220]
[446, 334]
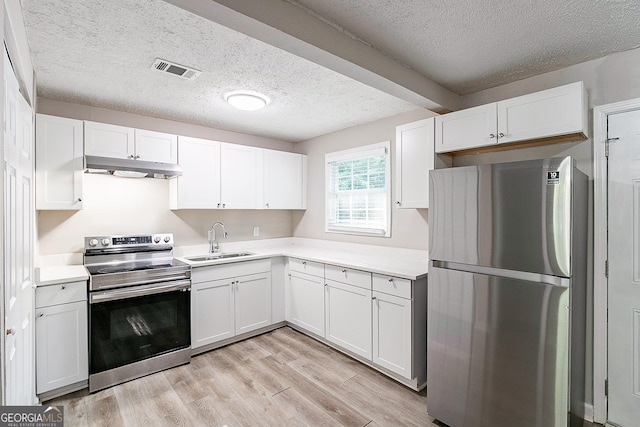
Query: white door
[239, 172]
[156, 146]
[18, 245]
[348, 317]
[101, 139]
[199, 185]
[392, 327]
[465, 129]
[306, 302]
[283, 182]
[414, 160]
[253, 302]
[212, 312]
[624, 269]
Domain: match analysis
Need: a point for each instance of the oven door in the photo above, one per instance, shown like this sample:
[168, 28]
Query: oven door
[131, 324]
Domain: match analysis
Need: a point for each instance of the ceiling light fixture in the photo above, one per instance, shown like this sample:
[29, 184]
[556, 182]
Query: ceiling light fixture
[246, 100]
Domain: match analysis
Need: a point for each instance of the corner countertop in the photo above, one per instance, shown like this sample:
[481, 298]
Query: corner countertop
[54, 275]
[397, 262]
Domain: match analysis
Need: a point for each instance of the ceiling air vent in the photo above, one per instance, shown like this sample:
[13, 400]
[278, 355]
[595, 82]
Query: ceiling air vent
[165, 66]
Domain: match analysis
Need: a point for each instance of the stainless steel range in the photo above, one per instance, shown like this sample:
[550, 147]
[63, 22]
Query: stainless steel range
[139, 307]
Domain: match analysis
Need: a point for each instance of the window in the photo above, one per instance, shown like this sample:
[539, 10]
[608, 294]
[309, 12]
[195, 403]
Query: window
[358, 191]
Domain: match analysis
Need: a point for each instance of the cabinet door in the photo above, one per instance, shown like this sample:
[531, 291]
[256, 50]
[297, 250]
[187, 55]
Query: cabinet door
[61, 346]
[212, 312]
[465, 129]
[548, 113]
[59, 163]
[348, 317]
[392, 333]
[253, 302]
[156, 146]
[306, 302]
[284, 182]
[239, 174]
[199, 185]
[105, 140]
[414, 160]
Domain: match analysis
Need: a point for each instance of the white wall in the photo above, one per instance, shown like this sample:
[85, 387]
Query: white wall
[114, 205]
[408, 226]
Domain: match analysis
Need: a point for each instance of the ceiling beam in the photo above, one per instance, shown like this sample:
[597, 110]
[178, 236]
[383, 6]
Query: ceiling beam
[297, 31]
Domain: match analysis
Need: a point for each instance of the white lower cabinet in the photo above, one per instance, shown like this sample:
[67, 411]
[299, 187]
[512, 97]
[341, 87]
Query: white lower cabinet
[306, 302]
[61, 336]
[229, 300]
[348, 317]
[392, 326]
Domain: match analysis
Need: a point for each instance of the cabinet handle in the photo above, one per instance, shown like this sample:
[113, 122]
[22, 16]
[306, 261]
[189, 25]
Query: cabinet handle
[137, 157]
[326, 284]
[224, 205]
[491, 135]
[218, 204]
[267, 204]
[11, 331]
[132, 156]
[344, 271]
[63, 287]
[41, 315]
[398, 203]
[374, 298]
[500, 135]
[79, 199]
[304, 262]
[390, 279]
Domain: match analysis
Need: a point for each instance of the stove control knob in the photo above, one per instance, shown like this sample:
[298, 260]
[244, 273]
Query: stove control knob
[105, 242]
[156, 239]
[166, 239]
[93, 242]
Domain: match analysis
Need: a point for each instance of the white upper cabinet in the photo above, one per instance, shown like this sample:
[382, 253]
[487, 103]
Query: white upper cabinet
[284, 181]
[59, 163]
[414, 160]
[101, 139]
[156, 146]
[199, 185]
[240, 172]
[549, 113]
[122, 142]
[553, 113]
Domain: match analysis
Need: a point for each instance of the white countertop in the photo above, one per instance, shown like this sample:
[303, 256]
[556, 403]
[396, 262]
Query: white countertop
[60, 274]
[397, 262]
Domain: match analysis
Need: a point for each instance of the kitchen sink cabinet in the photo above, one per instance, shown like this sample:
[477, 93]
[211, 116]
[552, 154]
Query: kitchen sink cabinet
[61, 328]
[414, 159]
[229, 300]
[121, 142]
[59, 163]
[305, 298]
[558, 113]
[284, 180]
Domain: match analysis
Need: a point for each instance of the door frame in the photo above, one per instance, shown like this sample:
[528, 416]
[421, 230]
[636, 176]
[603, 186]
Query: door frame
[600, 239]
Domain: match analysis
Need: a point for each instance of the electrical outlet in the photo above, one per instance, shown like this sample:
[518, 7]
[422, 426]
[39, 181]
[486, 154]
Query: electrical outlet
[256, 231]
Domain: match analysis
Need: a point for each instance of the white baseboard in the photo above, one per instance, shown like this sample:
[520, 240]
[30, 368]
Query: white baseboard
[588, 412]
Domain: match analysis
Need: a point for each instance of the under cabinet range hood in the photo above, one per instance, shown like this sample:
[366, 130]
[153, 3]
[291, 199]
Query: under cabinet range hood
[114, 165]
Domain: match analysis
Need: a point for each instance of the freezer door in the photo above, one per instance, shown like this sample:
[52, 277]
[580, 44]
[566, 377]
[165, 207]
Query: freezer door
[497, 351]
[514, 216]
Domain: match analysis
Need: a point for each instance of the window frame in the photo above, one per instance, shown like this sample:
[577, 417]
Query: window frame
[352, 154]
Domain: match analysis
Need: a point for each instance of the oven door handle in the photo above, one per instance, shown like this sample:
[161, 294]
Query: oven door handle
[137, 291]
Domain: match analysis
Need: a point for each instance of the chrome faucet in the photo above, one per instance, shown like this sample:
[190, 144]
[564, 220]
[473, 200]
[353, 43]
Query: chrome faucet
[213, 243]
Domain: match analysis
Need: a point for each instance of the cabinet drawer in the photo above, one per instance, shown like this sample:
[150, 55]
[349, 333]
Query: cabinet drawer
[61, 294]
[308, 267]
[362, 279]
[392, 285]
[225, 271]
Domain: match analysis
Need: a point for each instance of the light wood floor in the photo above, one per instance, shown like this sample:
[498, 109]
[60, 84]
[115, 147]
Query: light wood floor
[282, 378]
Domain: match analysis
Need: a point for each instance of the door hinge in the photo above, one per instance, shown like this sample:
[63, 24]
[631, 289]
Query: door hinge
[606, 268]
[606, 387]
[606, 145]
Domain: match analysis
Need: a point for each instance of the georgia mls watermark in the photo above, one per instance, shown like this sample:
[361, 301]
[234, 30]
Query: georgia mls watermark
[32, 416]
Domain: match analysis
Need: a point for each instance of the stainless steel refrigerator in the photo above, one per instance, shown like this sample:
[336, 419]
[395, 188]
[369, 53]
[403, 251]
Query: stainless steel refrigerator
[506, 299]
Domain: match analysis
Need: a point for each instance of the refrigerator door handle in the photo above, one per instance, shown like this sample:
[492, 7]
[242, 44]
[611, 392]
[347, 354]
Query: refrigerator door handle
[510, 274]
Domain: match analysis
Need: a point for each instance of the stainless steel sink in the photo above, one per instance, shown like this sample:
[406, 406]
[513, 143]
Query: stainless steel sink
[217, 256]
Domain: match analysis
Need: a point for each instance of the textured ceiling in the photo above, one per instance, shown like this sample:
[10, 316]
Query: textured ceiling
[472, 45]
[99, 52]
